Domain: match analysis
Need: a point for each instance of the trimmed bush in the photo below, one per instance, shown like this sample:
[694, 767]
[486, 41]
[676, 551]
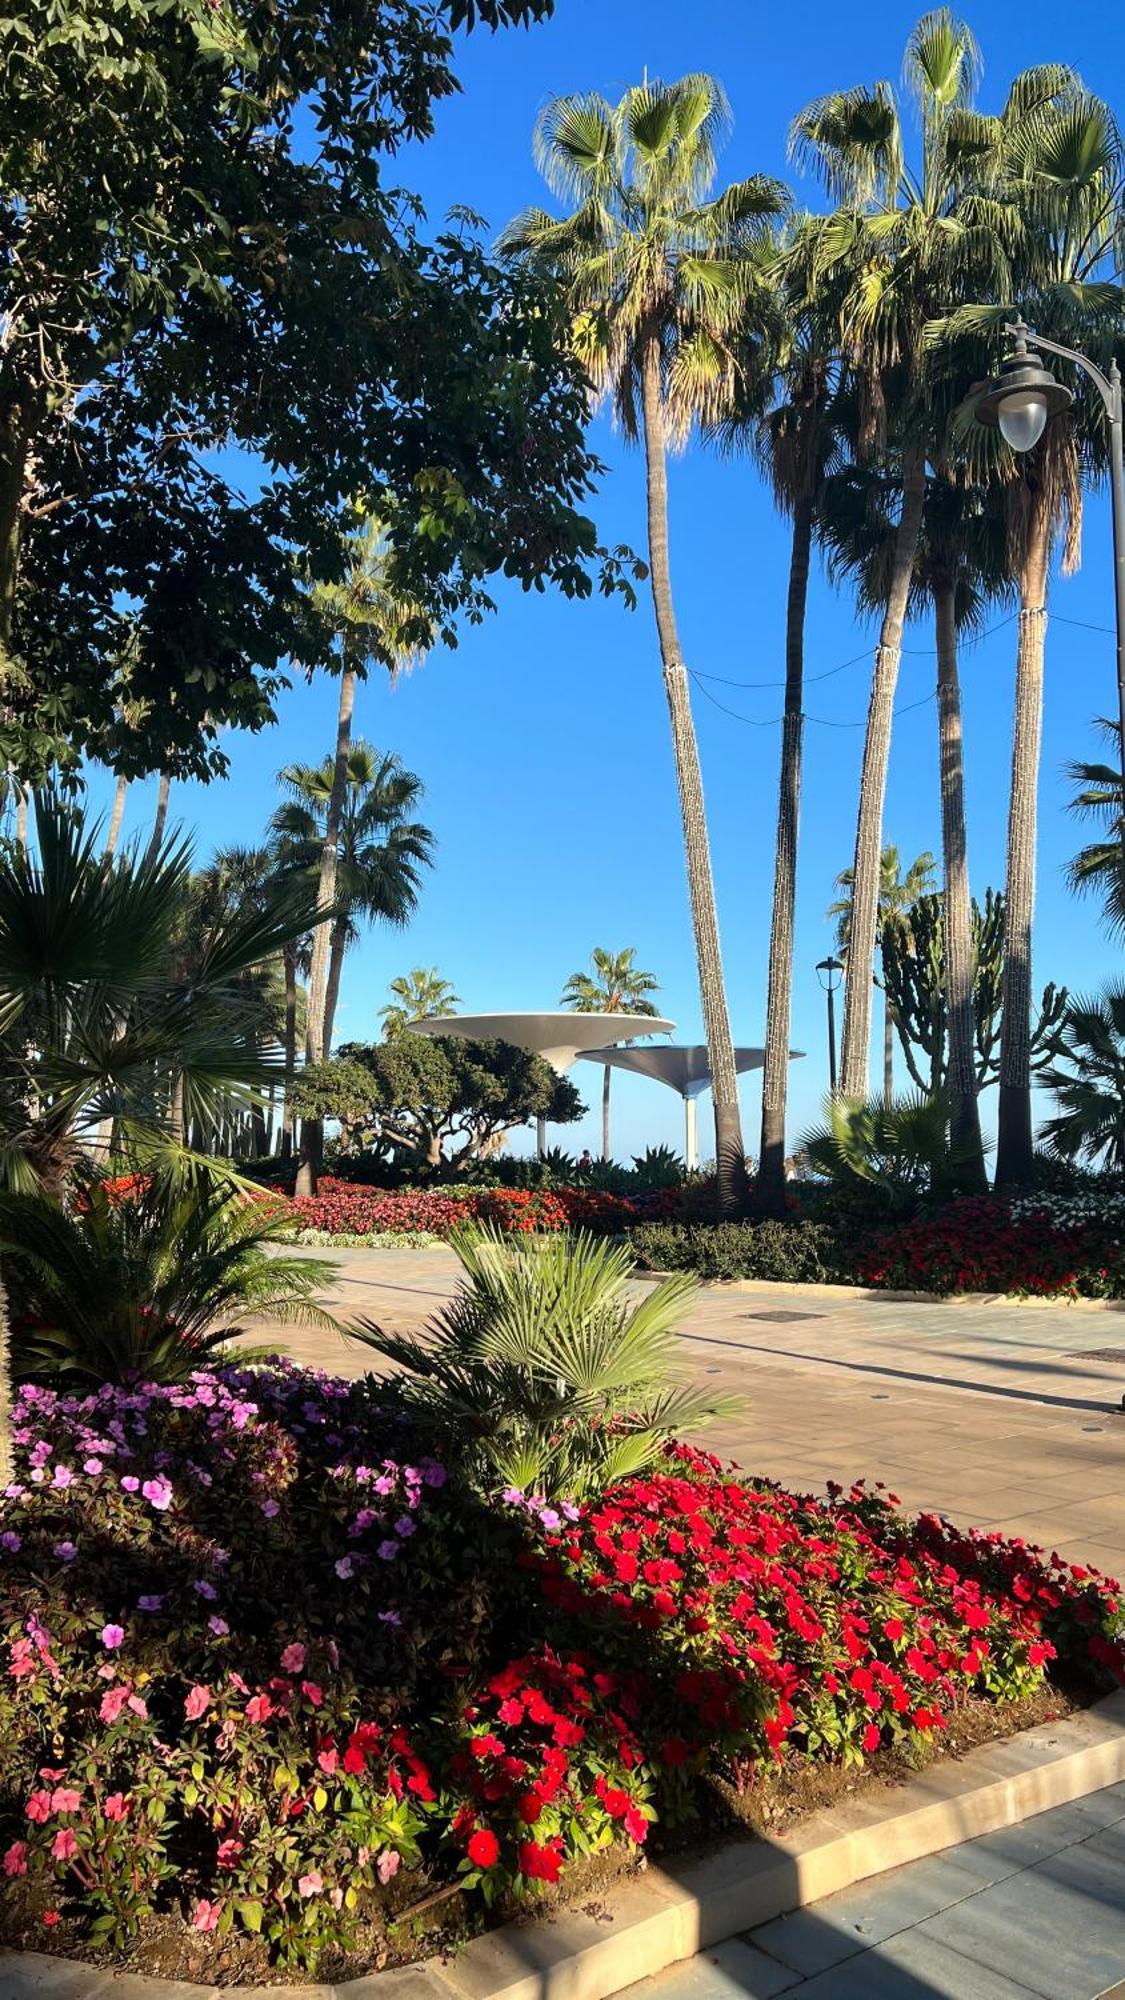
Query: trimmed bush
[794, 1252]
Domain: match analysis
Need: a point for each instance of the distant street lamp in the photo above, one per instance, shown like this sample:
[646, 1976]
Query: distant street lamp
[829, 972]
[1021, 400]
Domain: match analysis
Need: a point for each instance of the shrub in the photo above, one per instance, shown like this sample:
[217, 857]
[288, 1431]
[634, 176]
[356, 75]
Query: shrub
[1040, 1246]
[794, 1252]
[543, 1376]
[340, 1210]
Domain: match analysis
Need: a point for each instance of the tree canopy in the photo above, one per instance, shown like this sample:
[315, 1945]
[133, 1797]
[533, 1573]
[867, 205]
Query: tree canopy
[221, 326]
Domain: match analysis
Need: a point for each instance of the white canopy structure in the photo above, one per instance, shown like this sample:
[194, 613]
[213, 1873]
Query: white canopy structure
[684, 1069]
[559, 1037]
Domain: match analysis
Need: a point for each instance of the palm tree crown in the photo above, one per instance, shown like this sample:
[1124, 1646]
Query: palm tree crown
[418, 995]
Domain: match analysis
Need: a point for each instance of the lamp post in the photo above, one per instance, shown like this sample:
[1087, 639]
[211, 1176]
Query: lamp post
[1020, 401]
[829, 972]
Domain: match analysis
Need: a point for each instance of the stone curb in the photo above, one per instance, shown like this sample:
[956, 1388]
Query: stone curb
[668, 1914]
[810, 1288]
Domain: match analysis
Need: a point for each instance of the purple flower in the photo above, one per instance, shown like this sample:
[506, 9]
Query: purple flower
[65, 1551]
[549, 1517]
[205, 1589]
[433, 1473]
[390, 1618]
[11, 1541]
[386, 1551]
[345, 1568]
[270, 1508]
[218, 1626]
[150, 1602]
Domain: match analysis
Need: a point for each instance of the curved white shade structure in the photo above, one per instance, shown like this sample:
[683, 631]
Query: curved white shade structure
[684, 1068]
[559, 1037]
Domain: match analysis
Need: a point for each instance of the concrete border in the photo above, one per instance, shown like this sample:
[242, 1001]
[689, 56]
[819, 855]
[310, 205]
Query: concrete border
[668, 1914]
[818, 1289]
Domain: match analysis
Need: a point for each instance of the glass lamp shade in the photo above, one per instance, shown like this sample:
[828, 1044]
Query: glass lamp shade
[1023, 417]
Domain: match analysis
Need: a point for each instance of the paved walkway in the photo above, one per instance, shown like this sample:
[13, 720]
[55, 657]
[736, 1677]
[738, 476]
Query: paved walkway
[1037, 1909]
[1002, 1416]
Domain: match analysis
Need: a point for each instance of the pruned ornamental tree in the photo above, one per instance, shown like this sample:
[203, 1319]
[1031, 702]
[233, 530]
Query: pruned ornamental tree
[439, 1103]
[220, 326]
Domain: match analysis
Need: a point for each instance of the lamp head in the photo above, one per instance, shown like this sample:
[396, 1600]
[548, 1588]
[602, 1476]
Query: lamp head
[1024, 396]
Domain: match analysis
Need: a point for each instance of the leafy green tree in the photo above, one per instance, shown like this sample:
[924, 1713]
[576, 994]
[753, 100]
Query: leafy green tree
[446, 1102]
[552, 1378]
[897, 895]
[418, 995]
[1089, 1083]
[613, 985]
[184, 273]
[660, 278]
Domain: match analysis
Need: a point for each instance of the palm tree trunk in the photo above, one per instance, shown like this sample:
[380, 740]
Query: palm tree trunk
[312, 1129]
[961, 1073]
[117, 815]
[289, 961]
[770, 1198]
[339, 947]
[21, 817]
[161, 819]
[176, 1111]
[606, 1075]
[1014, 1147]
[888, 1047]
[730, 1156]
[873, 786]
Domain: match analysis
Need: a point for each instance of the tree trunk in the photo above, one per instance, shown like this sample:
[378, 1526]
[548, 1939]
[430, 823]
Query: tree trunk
[888, 1047]
[770, 1194]
[873, 787]
[117, 815]
[176, 1111]
[312, 1129]
[16, 429]
[289, 961]
[161, 819]
[339, 946]
[1015, 1147]
[21, 817]
[606, 1075]
[730, 1156]
[961, 1071]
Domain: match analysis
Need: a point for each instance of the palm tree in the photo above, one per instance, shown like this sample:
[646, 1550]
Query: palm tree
[614, 985]
[1052, 172]
[660, 280]
[374, 622]
[419, 995]
[1097, 866]
[379, 855]
[117, 813]
[1091, 1090]
[897, 895]
[901, 237]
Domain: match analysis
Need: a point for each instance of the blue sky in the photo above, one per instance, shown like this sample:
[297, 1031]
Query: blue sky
[543, 740]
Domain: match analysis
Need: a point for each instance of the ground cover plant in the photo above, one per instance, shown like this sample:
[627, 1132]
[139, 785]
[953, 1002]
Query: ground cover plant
[273, 1672]
[342, 1209]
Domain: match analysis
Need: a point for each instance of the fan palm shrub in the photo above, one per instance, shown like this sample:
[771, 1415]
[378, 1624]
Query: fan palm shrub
[1097, 868]
[890, 1154]
[146, 1280]
[552, 1379]
[1089, 1082]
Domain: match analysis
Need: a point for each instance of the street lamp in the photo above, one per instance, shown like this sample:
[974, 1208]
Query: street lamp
[1021, 400]
[829, 972]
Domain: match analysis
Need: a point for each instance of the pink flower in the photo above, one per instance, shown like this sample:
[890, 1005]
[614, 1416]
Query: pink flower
[66, 1799]
[218, 1626]
[138, 1706]
[388, 1864]
[158, 1493]
[197, 1703]
[112, 1637]
[205, 1916]
[229, 1851]
[39, 1807]
[311, 1884]
[15, 1860]
[312, 1692]
[259, 1708]
[64, 1847]
[293, 1659]
[329, 1762]
[116, 1806]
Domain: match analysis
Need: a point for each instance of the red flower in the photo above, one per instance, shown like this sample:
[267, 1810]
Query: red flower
[484, 1849]
[539, 1864]
[529, 1806]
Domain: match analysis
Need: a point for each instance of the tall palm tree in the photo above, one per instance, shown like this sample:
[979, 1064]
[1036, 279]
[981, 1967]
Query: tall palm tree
[1052, 172]
[1098, 866]
[374, 623]
[419, 995]
[900, 235]
[379, 855]
[661, 278]
[613, 985]
[897, 895]
[117, 814]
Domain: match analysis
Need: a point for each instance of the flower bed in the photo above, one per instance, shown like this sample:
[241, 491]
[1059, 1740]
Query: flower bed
[272, 1674]
[1038, 1246]
[343, 1209]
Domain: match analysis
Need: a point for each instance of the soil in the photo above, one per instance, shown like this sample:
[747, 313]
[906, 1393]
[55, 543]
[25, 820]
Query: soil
[432, 1919]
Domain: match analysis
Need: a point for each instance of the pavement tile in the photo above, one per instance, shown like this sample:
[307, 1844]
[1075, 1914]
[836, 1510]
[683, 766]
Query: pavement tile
[828, 1932]
[1057, 1929]
[34, 1975]
[731, 1971]
[913, 1967]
